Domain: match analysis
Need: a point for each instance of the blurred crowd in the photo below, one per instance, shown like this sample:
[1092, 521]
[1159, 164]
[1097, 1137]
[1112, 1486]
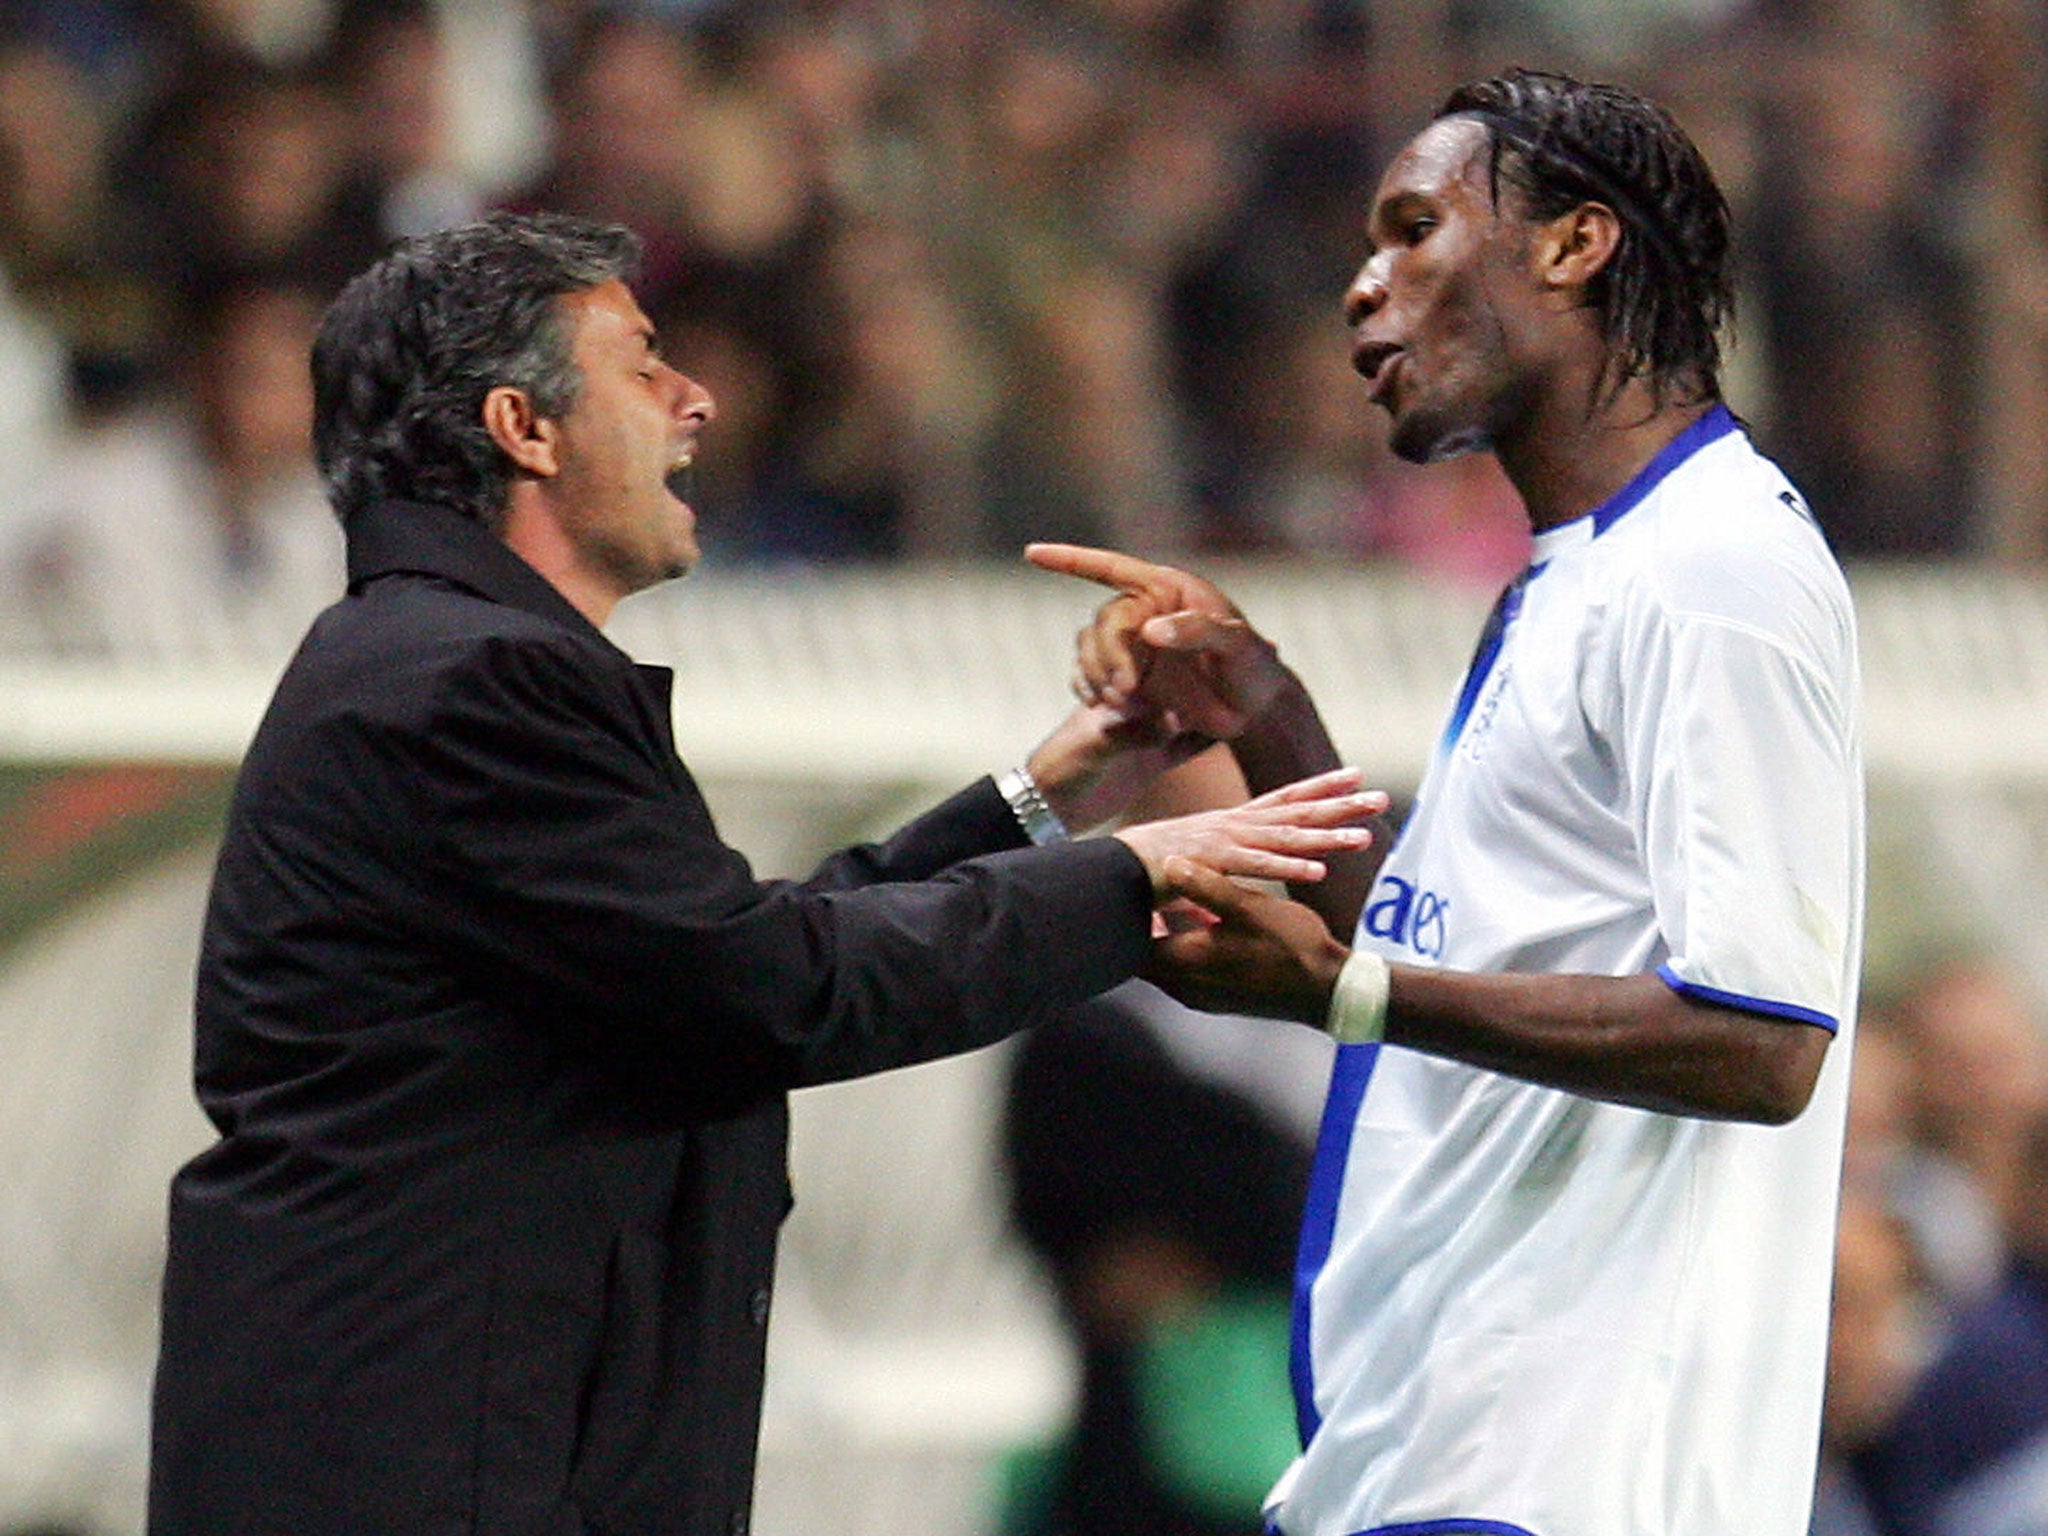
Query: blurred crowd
[1936, 1420]
[962, 275]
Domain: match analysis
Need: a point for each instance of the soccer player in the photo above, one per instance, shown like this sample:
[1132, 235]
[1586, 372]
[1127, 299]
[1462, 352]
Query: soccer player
[1565, 1265]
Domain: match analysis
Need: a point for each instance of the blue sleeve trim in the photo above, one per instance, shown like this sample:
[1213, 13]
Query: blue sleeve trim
[1747, 1004]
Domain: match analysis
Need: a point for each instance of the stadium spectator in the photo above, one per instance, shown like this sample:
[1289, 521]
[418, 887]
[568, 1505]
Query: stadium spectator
[657, 129]
[393, 66]
[900, 401]
[1979, 1071]
[188, 521]
[243, 170]
[1862, 274]
[1954, 1228]
[1966, 1451]
[1123, 205]
[59, 242]
[1880, 1330]
[1998, 57]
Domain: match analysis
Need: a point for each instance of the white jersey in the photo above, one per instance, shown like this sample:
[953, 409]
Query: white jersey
[1526, 1313]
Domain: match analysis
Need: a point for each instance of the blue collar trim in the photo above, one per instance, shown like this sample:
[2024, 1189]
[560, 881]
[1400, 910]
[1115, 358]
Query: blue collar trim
[1716, 424]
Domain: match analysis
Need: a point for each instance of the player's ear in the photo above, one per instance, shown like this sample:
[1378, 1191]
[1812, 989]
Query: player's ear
[529, 439]
[1573, 248]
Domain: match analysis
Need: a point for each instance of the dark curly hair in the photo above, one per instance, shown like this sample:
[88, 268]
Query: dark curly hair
[1666, 294]
[407, 353]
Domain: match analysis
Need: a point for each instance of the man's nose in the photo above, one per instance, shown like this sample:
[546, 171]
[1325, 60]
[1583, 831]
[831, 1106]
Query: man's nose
[694, 404]
[1368, 291]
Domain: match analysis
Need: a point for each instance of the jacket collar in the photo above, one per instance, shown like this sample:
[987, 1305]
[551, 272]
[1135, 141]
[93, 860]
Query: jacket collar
[422, 539]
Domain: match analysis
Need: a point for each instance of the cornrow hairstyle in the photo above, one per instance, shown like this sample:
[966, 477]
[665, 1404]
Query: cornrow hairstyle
[1666, 294]
[407, 353]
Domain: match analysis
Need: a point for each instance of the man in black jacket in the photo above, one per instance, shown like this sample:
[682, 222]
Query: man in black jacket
[496, 1031]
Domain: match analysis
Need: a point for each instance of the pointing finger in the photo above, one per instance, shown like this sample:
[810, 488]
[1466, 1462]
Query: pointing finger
[1111, 568]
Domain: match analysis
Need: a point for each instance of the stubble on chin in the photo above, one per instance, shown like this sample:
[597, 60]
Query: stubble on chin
[1422, 439]
[1423, 436]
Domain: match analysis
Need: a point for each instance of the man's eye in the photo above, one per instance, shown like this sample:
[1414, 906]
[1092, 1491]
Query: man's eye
[1420, 230]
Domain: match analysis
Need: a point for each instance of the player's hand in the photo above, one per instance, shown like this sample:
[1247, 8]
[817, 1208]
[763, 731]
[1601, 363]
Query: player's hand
[1281, 835]
[1169, 645]
[1255, 952]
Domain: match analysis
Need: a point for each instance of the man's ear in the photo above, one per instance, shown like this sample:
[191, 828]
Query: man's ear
[527, 438]
[1573, 248]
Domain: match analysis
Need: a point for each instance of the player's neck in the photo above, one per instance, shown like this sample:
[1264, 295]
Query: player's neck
[1571, 459]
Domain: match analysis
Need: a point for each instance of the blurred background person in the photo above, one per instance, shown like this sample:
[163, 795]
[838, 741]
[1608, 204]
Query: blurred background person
[393, 65]
[1860, 273]
[1964, 1451]
[188, 520]
[1164, 1206]
[1878, 1342]
[243, 168]
[1979, 1073]
[1892, 1156]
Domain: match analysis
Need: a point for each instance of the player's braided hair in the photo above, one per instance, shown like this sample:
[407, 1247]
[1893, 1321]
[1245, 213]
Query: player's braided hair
[1667, 292]
[407, 353]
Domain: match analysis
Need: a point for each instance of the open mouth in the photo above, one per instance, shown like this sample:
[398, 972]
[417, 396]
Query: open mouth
[1368, 358]
[1378, 363]
[681, 479]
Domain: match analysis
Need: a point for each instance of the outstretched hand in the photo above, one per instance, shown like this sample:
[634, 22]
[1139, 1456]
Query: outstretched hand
[1169, 645]
[1281, 835]
[1257, 953]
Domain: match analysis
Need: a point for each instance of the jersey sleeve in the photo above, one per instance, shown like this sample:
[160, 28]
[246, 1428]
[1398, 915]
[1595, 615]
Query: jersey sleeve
[1746, 792]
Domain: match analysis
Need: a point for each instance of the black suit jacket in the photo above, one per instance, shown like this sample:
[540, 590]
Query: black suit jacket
[497, 1034]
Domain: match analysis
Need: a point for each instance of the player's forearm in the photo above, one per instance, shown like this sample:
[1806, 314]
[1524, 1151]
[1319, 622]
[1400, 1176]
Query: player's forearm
[1285, 742]
[1629, 1040]
[1289, 741]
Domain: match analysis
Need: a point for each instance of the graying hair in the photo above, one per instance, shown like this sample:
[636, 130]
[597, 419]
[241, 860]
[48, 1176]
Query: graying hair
[408, 352]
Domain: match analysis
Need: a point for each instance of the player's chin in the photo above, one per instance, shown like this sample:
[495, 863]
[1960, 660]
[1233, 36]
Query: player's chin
[1427, 438]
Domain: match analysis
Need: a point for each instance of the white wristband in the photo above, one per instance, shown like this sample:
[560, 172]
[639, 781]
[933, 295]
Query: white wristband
[1358, 1003]
[1041, 823]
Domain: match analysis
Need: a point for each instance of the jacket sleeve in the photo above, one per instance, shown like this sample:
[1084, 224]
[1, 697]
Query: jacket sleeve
[975, 821]
[566, 850]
